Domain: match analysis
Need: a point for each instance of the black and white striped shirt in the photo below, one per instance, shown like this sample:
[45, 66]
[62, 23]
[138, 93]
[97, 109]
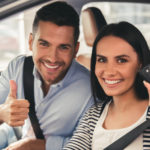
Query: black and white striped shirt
[82, 138]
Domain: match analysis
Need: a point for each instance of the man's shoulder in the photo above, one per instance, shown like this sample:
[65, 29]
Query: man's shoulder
[18, 59]
[16, 64]
[78, 76]
[81, 70]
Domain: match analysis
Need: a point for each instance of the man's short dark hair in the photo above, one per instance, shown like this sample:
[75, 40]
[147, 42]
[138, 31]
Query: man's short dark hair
[59, 13]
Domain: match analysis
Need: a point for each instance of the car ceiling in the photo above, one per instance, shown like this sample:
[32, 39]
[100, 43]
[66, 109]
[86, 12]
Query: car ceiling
[10, 7]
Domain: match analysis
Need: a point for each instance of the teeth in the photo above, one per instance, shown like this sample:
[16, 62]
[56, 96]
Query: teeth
[112, 81]
[50, 67]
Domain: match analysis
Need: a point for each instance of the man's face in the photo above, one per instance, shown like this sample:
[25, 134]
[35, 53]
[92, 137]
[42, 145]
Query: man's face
[53, 50]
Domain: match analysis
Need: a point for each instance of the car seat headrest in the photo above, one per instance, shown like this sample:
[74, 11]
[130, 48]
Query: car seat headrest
[92, 21]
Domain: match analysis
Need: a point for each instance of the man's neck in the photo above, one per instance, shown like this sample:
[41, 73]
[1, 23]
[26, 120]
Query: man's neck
[45, 88]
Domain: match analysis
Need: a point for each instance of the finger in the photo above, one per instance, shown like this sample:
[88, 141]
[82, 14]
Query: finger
[13, 89]
[147, 85]
[24, 103]
[19, 111]
[20, 103]
[17, 123]
[17, 118]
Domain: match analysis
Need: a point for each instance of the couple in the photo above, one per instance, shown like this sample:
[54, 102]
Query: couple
[62, 88]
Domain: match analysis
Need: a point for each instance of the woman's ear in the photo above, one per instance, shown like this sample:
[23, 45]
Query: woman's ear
[30, 41]
[140, 66]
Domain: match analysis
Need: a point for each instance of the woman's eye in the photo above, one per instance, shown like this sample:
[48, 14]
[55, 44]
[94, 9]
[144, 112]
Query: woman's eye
[101, 60]
[122, 60]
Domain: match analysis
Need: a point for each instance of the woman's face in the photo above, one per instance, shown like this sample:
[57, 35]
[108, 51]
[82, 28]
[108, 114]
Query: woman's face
[116, 65]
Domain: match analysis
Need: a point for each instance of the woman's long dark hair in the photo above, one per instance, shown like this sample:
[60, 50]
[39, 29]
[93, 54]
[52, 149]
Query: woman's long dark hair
[134, 37]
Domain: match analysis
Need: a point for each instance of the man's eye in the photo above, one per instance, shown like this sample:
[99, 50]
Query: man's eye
[64, 47]
[44, 44]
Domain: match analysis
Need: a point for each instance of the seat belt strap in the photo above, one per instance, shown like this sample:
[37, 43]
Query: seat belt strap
[28, 82]
[18, 132]
[125, 140]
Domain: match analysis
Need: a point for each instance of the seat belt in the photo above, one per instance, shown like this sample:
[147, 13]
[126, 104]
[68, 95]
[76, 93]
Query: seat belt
[28, 83]
[125, 140]
[18, 132]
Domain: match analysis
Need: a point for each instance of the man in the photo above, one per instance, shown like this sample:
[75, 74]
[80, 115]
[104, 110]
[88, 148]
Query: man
[61, 86]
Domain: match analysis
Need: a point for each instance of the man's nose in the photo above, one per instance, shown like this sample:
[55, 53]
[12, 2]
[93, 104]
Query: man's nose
[52, 54]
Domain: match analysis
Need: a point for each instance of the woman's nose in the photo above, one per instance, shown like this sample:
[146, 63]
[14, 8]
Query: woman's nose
[110, 70]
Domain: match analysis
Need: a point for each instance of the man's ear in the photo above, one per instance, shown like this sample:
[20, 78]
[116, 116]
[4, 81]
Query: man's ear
[76, 49]
[30, 41]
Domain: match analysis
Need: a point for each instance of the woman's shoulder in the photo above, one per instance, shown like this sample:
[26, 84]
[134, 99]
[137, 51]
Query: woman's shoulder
[96, 107]
[95, 111]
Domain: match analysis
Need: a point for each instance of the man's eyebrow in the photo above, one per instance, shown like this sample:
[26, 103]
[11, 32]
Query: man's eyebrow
[63, 44]
[68, 45]
[41, 40]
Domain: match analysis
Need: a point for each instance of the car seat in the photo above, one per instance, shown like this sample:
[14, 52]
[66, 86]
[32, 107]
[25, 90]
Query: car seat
[92, 22]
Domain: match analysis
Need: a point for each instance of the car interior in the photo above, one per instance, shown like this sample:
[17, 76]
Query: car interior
[16, 17]
[93, 19]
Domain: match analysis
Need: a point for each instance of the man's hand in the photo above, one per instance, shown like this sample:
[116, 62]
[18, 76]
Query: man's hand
[27, 144]
[14, 111]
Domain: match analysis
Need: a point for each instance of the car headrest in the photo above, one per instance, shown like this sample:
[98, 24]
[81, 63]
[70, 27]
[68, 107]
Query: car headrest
[92, 21]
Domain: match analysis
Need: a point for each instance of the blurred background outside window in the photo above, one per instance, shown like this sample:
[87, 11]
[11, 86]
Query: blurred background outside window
[14, 31]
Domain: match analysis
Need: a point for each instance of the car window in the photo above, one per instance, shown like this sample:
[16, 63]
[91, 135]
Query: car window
[136, 13]
[14, 30]
[11, 39]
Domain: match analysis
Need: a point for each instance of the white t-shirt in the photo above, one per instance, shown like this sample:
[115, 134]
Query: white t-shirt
[103, 137]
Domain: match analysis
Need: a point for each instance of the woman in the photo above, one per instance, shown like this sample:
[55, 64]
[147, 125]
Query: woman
[121, 99]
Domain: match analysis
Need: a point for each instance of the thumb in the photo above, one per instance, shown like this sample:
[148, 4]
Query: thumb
[147, 85]
[13, 89]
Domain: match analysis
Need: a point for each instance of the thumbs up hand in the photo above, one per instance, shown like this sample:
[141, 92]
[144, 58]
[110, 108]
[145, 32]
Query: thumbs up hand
[14, 111]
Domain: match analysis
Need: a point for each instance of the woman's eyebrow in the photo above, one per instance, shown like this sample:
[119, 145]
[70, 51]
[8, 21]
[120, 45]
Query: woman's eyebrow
[97, 55]
[119, 56]
[122, 56]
